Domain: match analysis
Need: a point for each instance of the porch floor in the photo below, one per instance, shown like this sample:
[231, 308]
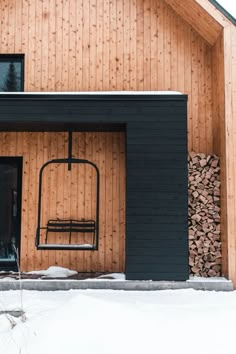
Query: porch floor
[216, 284]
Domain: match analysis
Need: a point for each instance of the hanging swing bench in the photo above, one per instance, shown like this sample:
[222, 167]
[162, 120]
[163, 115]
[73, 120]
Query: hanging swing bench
[68, 226]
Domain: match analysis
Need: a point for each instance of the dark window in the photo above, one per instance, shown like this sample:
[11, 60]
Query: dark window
[10, 210]
[11, 73]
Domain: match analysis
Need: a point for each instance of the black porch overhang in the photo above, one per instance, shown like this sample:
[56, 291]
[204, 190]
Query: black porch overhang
[79, 111]
[155, 124]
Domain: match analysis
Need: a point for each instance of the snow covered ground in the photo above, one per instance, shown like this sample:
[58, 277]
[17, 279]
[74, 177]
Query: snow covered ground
[119, 322]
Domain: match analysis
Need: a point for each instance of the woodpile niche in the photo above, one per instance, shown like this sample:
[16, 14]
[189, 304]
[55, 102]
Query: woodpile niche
[204, 215]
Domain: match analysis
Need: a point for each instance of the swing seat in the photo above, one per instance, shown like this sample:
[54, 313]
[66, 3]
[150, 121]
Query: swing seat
[70, 226]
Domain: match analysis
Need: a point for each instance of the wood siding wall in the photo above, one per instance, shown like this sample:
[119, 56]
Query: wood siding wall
[218, 63]
[228, 137]
[224, 111]
[80, 45]
[107, 151]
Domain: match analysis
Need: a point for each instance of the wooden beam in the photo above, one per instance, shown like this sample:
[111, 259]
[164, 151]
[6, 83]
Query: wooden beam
[202, 16]
[214, 12]
[219, 137]
[230, 144]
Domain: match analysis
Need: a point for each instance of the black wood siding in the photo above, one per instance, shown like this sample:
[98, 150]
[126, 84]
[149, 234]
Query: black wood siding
[156, 246]
[156, 192]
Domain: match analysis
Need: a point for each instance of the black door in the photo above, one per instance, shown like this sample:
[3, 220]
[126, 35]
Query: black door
[10, 210]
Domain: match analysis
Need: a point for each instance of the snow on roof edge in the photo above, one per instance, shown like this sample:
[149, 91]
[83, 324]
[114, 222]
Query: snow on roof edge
[226, 12]
[96, 93]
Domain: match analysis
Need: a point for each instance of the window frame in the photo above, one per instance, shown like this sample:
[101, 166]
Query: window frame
[19, 58]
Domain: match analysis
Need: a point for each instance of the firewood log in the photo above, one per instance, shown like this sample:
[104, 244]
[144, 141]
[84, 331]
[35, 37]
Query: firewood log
[204, 215]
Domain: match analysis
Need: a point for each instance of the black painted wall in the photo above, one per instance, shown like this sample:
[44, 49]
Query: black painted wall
[156, 193]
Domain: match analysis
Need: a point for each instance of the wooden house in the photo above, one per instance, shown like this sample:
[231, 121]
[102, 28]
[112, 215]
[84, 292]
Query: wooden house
[67, 59]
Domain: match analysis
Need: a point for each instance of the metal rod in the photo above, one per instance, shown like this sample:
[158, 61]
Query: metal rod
[69, 149]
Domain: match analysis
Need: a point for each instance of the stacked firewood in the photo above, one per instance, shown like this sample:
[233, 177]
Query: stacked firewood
[204, 215]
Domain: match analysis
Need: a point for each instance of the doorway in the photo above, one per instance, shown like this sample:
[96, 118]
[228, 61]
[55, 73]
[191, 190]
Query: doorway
[10, 211]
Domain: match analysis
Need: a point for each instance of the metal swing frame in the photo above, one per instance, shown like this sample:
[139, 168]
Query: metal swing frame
[68, 226]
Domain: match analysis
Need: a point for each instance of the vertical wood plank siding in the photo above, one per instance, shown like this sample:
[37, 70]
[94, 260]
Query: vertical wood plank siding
[112, 45]
[218, 76]
[224, 111]
[229, 160]
[107, 151]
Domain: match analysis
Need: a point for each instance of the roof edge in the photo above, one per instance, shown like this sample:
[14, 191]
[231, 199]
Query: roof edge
[93, 96]
[223, 11]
